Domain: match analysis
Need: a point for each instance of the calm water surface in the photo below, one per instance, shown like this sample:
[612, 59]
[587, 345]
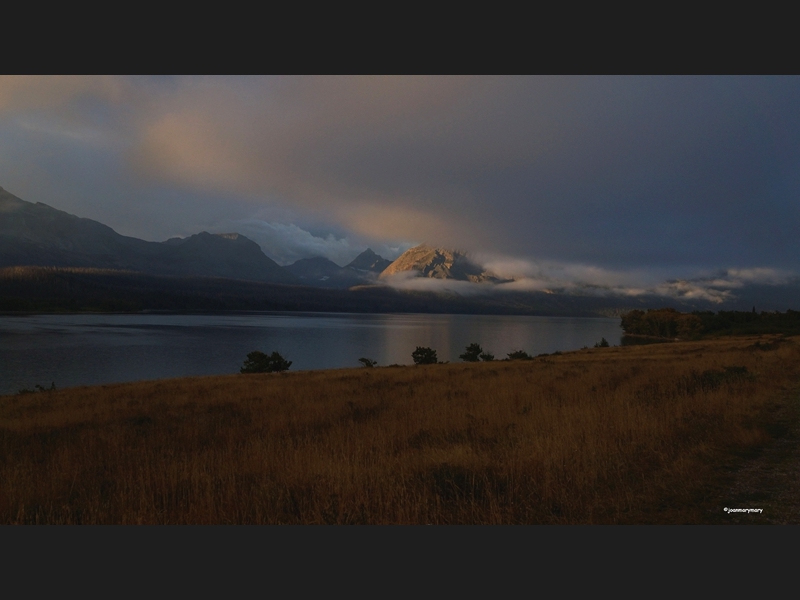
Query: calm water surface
[72, 350]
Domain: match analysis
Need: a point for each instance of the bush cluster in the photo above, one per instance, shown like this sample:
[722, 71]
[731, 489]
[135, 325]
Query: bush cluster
[258, 362]
[474, 353]
[424, 356]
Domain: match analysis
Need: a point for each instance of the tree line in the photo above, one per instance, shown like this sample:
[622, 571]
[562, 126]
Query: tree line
[670, 323]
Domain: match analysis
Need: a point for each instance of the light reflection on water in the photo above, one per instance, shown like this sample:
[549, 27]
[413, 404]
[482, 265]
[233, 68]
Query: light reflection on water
[90, 349]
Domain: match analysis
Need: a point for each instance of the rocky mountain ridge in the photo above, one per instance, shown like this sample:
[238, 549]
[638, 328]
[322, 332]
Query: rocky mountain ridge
[439, 263]
[369, 262]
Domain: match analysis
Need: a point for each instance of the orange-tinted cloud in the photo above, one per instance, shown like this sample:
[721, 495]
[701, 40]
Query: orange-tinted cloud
[24, 93]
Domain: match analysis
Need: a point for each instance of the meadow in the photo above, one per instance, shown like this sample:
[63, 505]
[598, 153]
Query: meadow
[620, 435]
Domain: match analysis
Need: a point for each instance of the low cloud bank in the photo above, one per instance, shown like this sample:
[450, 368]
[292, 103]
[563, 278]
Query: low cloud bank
[287, 243]
[550, 277]
[410, 281]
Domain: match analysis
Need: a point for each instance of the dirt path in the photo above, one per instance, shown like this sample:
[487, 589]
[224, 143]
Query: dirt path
[770, 480]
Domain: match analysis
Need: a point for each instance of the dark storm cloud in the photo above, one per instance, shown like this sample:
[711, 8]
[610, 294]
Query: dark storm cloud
[682, 172]
[620, 178]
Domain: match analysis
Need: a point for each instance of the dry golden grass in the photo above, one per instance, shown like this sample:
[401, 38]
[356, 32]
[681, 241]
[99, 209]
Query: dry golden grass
[609, 435]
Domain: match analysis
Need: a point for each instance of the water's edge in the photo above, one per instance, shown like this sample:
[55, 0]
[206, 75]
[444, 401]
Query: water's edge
[97, 348]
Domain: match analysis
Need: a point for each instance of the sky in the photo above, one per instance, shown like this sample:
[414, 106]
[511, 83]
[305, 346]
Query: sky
[624, 182]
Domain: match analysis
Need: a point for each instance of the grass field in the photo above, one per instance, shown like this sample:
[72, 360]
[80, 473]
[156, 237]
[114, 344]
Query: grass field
[641, 434]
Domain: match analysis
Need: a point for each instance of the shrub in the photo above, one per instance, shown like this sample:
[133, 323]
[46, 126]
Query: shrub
[424, 356]
[258, 362]
[368, 362]
[519, 355]
[472, 353]
[487, 356]
[39, 388]
[603, 343]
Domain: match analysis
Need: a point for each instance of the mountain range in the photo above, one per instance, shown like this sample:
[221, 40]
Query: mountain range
[89, 256]
[40, 235]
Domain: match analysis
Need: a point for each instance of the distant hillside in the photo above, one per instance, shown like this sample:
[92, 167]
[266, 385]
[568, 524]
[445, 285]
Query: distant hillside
[220, 255]
[439, 263]
[39, 235]
[321, 272]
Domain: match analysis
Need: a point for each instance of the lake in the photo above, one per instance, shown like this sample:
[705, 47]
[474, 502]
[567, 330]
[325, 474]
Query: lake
[90, 349]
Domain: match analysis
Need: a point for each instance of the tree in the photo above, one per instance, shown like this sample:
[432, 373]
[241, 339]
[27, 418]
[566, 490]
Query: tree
[424, 356]
[603, 343]
[690, 327]
[258, 362]
[487, 356]
[472, 353]
[368, 362]
[633, 322]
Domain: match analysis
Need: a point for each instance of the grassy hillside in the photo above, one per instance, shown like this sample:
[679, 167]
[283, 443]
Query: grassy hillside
[606, 435]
